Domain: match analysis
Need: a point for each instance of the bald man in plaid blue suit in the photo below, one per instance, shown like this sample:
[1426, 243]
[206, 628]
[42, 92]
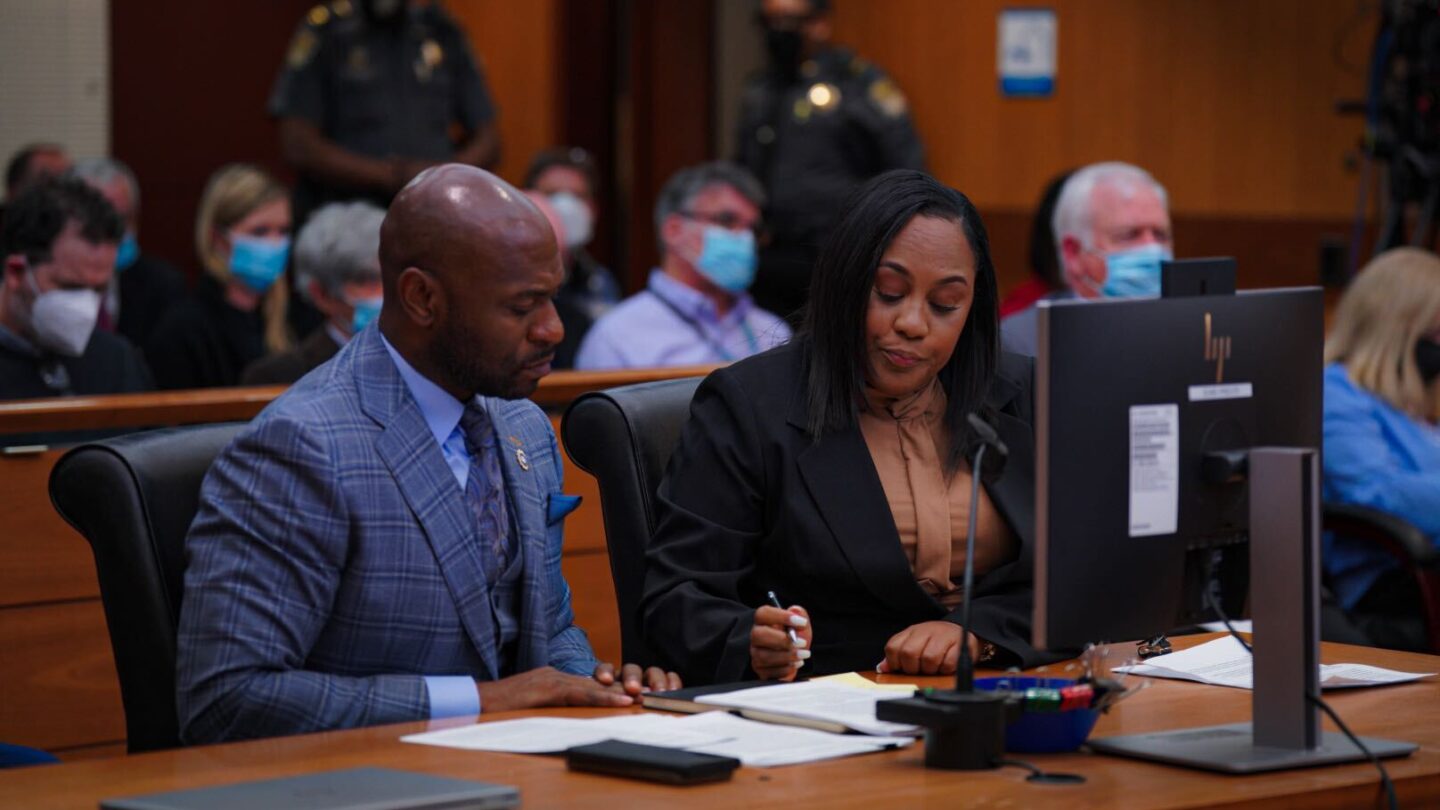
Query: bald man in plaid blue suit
[383, 542]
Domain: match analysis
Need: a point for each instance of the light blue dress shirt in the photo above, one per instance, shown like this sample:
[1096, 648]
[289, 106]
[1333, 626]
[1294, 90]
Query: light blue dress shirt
[450, 695]
[672, 324]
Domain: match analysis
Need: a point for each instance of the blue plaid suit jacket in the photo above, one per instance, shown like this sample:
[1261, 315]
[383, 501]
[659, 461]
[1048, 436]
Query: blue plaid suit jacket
[334, 561]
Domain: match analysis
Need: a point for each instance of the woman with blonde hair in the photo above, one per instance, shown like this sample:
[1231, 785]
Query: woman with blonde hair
[1382, 441]
[237, 313]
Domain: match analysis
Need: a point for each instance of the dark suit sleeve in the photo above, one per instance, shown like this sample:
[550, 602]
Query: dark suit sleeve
[710, 514]
[1003, 618]
[264, 562]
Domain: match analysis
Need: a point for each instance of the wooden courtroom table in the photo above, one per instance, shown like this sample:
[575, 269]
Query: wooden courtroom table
[889, 779]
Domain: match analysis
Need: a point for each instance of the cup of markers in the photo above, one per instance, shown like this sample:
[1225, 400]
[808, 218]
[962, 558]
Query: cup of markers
[1054, 715]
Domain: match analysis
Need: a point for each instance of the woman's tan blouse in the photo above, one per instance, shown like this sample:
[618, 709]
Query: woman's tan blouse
[906, 439]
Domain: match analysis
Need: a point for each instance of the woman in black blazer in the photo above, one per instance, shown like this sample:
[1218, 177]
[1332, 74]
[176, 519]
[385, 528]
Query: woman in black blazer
[775, 487]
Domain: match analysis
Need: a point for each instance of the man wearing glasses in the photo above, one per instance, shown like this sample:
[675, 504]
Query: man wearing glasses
[695, 308]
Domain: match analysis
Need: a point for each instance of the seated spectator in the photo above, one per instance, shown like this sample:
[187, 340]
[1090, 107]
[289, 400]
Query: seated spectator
[1382, 442]
[695, 308]
[1045, 278]
[567, 177]
[1112, 230]
[337, 268]
[144, 287]
[237, 312]
[32, 164]
[58, 247]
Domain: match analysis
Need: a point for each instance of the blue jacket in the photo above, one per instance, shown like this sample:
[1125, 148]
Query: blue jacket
[334, 561]
[1377, 456]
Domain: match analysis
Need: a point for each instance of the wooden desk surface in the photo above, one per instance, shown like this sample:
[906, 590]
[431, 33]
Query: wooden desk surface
[891, 779]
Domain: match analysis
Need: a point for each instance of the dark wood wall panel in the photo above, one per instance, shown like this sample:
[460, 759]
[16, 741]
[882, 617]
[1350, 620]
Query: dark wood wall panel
[189, 82]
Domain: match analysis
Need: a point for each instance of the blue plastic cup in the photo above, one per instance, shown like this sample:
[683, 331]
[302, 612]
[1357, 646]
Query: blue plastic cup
[1042, 732]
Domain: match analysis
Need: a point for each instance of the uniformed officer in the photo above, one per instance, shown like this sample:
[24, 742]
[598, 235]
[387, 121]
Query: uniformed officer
[817, 121]
[373, 92]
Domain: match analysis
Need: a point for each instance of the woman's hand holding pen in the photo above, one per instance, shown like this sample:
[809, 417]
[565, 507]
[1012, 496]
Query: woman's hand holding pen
[773, 655]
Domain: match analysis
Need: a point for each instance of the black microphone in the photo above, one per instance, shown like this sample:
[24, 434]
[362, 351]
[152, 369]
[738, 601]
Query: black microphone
[964, 729]
[986, 435]
[986, 438]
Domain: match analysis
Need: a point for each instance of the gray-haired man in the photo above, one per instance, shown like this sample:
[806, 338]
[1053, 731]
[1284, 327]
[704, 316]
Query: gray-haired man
[1112, 230]
[337, 268]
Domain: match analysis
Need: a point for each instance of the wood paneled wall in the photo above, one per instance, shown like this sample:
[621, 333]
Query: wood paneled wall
[1230, 103]
[191, 81]
[517, 44]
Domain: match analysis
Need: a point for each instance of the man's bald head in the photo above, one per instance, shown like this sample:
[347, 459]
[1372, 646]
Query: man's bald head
[449, 217]
[470, 268]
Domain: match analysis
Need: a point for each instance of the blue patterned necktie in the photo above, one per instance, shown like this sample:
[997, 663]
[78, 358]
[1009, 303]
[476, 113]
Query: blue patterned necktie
[485, 490]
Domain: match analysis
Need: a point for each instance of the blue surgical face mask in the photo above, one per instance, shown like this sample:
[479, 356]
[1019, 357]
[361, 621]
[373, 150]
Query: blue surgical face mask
[129, 252]
[366, 311]
[1135, 272]
[258, 262]
[728, 258]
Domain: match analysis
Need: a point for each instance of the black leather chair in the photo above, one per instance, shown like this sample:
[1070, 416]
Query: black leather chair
[1417, 556]
[133, 498]
[624, 437]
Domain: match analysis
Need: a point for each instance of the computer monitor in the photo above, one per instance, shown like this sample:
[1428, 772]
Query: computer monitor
[1130, 396]
[1158, 423]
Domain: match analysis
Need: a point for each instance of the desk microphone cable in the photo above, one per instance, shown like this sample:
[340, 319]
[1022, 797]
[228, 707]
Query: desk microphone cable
[1389, 786]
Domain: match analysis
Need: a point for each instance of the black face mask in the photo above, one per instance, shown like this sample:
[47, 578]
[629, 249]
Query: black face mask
[1427, 357]
[784, 49]
[384, 12]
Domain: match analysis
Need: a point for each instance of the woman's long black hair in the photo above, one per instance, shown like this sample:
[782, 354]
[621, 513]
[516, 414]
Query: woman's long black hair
[840, 289]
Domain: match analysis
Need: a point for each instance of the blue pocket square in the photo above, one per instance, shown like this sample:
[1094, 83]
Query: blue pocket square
[560, 506]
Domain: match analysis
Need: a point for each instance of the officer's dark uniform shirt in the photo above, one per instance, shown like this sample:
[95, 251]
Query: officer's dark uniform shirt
[380, 91]
[839, 122]
[810, 139]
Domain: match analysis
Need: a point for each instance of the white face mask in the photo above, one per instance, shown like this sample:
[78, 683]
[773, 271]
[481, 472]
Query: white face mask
[575, 216]
[63, 320]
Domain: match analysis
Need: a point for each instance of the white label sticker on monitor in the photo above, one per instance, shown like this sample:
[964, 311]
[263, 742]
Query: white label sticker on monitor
[1154, 469]
[1206, 393]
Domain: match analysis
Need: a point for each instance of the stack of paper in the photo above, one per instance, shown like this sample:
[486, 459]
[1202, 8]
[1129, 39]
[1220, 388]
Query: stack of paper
[755, 744]
[828, 706]
[1223, 662]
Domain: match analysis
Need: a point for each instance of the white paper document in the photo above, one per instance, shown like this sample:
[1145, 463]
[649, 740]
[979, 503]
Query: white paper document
[849, 706]
[548, 735]
[1223, 662]
[760, 745]
[765, 745]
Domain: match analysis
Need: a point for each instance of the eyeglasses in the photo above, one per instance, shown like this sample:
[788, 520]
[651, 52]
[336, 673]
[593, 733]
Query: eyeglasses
[729, 220]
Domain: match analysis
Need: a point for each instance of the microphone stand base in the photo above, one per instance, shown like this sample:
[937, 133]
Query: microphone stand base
[964, 731]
